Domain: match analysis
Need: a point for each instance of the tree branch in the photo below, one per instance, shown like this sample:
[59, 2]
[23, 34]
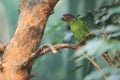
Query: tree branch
[57, 47]
[30, 29]
[46, 48]
[95, 64]
[108, 59]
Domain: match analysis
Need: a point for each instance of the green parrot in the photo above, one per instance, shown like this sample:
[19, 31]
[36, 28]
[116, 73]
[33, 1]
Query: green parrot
[77, 26]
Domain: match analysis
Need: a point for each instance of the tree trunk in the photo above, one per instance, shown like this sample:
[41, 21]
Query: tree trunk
[30, 28]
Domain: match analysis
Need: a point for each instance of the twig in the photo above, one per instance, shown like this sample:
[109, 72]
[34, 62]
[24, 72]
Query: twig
[85, 37]
[95, 64]
[89, 34]
[46, 48]
[105, 55]
[33, 75]
[105, 35]
[51, 48]
[30, 76]
[59, 46]
[108, 59]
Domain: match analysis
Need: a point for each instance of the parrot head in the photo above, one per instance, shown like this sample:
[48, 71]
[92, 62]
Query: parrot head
[67, 17]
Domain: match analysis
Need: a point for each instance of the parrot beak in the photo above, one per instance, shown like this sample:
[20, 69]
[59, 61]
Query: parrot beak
[62, 19]
[67, 17]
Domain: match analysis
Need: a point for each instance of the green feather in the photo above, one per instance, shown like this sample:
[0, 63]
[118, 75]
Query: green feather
[78, 27]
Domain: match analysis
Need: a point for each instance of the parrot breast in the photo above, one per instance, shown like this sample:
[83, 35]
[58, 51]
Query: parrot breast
[79, 28]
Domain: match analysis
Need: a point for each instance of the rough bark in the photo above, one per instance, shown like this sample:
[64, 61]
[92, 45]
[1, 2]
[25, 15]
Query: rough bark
[30, 28]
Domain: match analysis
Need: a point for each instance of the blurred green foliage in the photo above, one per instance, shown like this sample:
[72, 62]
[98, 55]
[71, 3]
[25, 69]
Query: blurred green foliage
[101, 16]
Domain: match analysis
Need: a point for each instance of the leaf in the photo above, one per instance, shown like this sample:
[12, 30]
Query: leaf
[114, 10]
[96, 47]
[112, 74]
[77, 68]
[111, 28]
[75, 58]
